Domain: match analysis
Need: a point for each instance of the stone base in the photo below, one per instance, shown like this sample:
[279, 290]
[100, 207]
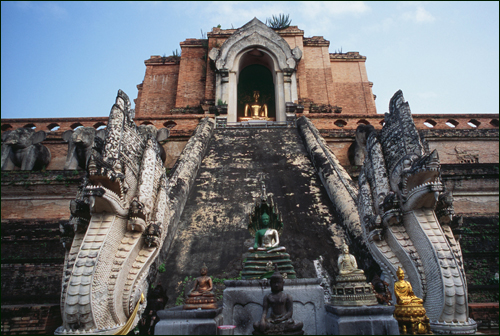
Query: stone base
[243, 303]
[353, 290]
[176, 321]
[466, 328]
[258, 262]
[201, 301]
[363, 320]
[412, 319]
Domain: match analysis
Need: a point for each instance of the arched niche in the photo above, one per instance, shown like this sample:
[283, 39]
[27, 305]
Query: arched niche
[255, 43]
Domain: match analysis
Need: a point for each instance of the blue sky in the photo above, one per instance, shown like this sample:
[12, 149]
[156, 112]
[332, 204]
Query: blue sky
[68, 59]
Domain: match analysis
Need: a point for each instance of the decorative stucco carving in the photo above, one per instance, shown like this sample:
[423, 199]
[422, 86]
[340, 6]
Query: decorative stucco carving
[255, 33]
[122, 223]
[400, 185]
[119, 220]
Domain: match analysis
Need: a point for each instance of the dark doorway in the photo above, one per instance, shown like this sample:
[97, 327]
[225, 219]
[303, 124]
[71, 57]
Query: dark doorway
[256, 77]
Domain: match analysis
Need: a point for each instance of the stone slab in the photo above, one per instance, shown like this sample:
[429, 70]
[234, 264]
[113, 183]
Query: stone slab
[242, 303]
[362, 320]
[176, 321]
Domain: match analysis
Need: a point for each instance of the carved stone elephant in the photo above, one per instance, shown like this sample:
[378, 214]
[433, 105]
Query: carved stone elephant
[21, 148]
[362, 133]
[80, 143]
[160, 135]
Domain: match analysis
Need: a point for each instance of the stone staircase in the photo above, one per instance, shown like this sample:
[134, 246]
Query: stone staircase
[213, 225]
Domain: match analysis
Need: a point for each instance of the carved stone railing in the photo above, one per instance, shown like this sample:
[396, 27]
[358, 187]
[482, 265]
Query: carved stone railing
[422, 121]
[185, 124]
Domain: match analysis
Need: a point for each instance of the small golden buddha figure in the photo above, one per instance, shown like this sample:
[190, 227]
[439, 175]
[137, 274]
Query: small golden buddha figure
[255, 110]
[347, 263]
[404, 291]
[410, 312]
[201, 295]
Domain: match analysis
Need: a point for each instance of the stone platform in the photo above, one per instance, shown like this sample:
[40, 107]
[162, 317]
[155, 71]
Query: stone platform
[361, 320]
[242, 303]
[176, 321]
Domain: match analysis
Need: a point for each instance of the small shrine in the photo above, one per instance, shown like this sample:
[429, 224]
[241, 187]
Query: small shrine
[410, 312]
[351, 288]
[201, 295]
[266, 225]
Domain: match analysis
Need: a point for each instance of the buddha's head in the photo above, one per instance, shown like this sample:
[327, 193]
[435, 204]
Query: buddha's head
[204, 270]
[265, 220]
[345, 249]
[256, 96]
[277, 281]
[400, 273]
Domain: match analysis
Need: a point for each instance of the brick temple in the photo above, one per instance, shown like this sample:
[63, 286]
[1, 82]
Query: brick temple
[215, 77]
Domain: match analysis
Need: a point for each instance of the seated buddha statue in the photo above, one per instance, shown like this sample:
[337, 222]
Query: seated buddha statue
[266, 238]
[410, 312]
[266, 252]
[280, 321]
[255, 110]
[347, 263]
[403, 290]
[201, 295]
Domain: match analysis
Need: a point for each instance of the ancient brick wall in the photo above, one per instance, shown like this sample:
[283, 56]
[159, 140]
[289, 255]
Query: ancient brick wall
[479, 242]
[157, 93]
[351, 88]
[317, 74]
[40, 319]
[192, 73]
[38, 195]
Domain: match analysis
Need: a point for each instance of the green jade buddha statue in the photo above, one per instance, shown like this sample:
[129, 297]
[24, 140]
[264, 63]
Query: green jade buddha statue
[266, 251]
[266, 239]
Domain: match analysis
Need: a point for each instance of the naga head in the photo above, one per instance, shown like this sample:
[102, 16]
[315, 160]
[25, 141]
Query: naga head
[414, 173]
[417, 181]
[118, 218]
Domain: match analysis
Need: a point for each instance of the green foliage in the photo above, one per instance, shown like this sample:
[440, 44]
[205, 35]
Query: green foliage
[75, 172]
[162, 268]
[267, 275]
[281, 21]
[176, 53]
[220, 102]
[59, 178]
[180, 289]
[219, 26]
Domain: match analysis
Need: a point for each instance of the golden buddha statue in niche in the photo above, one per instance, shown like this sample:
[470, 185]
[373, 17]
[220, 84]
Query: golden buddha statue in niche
[410, 312]
[255, 110]
[404, 291]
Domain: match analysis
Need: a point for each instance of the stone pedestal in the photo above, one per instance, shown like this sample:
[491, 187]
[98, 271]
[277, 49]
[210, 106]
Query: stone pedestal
[176, 321]
[353, 290]
[259, 262]
[361, 320]
[243, 303]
